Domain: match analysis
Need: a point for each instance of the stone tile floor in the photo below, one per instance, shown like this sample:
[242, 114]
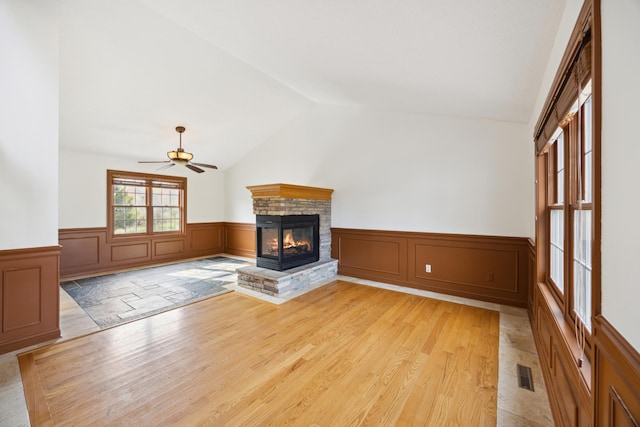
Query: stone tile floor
[116, 298]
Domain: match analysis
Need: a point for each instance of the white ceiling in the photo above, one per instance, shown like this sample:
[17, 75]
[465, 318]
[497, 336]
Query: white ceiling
[234, 72]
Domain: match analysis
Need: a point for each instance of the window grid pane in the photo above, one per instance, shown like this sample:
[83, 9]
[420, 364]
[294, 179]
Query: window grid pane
[129, 195]
[582, 266]
[556, 257]
[130, 220]
[166, 219]
[560, 168]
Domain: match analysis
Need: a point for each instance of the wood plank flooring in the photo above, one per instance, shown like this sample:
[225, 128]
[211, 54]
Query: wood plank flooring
[344, 354]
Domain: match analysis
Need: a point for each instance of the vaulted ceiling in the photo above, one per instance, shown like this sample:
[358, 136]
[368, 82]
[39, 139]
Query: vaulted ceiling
[234, 72]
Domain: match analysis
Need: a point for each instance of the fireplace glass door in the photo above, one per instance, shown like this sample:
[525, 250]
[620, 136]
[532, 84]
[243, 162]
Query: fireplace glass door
[295, 241]
[285, 242]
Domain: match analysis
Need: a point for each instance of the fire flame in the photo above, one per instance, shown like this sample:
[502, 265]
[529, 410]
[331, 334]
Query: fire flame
[289, 242]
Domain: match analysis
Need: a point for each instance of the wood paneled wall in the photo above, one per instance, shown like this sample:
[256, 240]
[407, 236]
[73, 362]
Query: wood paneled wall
[617, 377]
[487, 268]
[29, 301]
[240, 239]
[568, 385]
[87, 251]
[602, 392]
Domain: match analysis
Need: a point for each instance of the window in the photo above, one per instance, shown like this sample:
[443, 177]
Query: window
[142, 204]
[570, 242]
[568, 180]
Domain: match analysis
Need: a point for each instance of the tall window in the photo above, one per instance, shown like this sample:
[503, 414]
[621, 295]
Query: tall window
[568, 174]
[570, 236]
[145, 204]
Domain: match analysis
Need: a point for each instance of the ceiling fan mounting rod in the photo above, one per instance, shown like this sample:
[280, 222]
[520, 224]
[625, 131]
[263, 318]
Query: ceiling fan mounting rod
[180, 129]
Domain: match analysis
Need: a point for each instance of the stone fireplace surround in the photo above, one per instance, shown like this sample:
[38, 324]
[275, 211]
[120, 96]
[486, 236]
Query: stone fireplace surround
[287, 199]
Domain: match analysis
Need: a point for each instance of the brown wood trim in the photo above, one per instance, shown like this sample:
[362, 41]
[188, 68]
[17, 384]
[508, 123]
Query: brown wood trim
[289, 191]
[81, 230]
[29, 299]
[532, 276]
[22, 253]
[479, 238]
[617, 377]
[596, 75]
[458, 262]
[240, 239]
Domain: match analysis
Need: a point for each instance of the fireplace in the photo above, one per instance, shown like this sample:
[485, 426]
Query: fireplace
[287, 241]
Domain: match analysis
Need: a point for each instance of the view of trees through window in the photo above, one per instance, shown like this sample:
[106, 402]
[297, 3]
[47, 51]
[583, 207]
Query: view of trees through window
[142, 205]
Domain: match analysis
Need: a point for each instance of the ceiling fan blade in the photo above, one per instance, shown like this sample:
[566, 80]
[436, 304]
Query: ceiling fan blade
[194, 168]
[204, 165]
[155, 161]
[166, 166]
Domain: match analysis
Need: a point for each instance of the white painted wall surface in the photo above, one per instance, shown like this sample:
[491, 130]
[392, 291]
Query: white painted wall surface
[398, 171]
[569, 18]
[83, 181]
[28, 124]
[568, 21]
[620, 171]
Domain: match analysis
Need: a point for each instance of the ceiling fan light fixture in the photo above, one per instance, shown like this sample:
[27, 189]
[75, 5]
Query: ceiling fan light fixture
[179, 155]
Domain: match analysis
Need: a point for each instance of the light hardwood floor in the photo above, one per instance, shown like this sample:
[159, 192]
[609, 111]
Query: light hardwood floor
[344, 354]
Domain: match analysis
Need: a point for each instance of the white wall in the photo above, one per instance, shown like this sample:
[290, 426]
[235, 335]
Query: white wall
[28, 124]
[620, 171]
[83, 183]
[398, 171]
[568, 21]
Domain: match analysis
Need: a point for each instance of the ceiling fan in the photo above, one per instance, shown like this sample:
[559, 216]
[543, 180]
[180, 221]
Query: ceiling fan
[181, 157]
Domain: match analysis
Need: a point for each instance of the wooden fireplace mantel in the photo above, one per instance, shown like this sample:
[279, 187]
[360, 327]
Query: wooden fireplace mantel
[289, 191]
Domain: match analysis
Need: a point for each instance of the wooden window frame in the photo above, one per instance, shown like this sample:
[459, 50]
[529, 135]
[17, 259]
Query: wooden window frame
[584, 52]
[149, 178]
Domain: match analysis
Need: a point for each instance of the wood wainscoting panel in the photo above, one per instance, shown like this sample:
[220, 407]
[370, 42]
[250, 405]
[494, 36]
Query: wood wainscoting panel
[206, 237]
[21, 298]
[484, 267]
[376, 257]
[163, 248]
[82, 251]
[29, 299]
[240, 239]
[87, 251]
[568, 385]
[488, 268]
[130, 251]
[617, 365]
[463, 267]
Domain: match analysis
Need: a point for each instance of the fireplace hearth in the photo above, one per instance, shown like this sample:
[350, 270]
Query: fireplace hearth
[286, 241]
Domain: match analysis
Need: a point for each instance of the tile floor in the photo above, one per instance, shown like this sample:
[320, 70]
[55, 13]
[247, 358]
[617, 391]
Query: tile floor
[516, 407]
[116, 298]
